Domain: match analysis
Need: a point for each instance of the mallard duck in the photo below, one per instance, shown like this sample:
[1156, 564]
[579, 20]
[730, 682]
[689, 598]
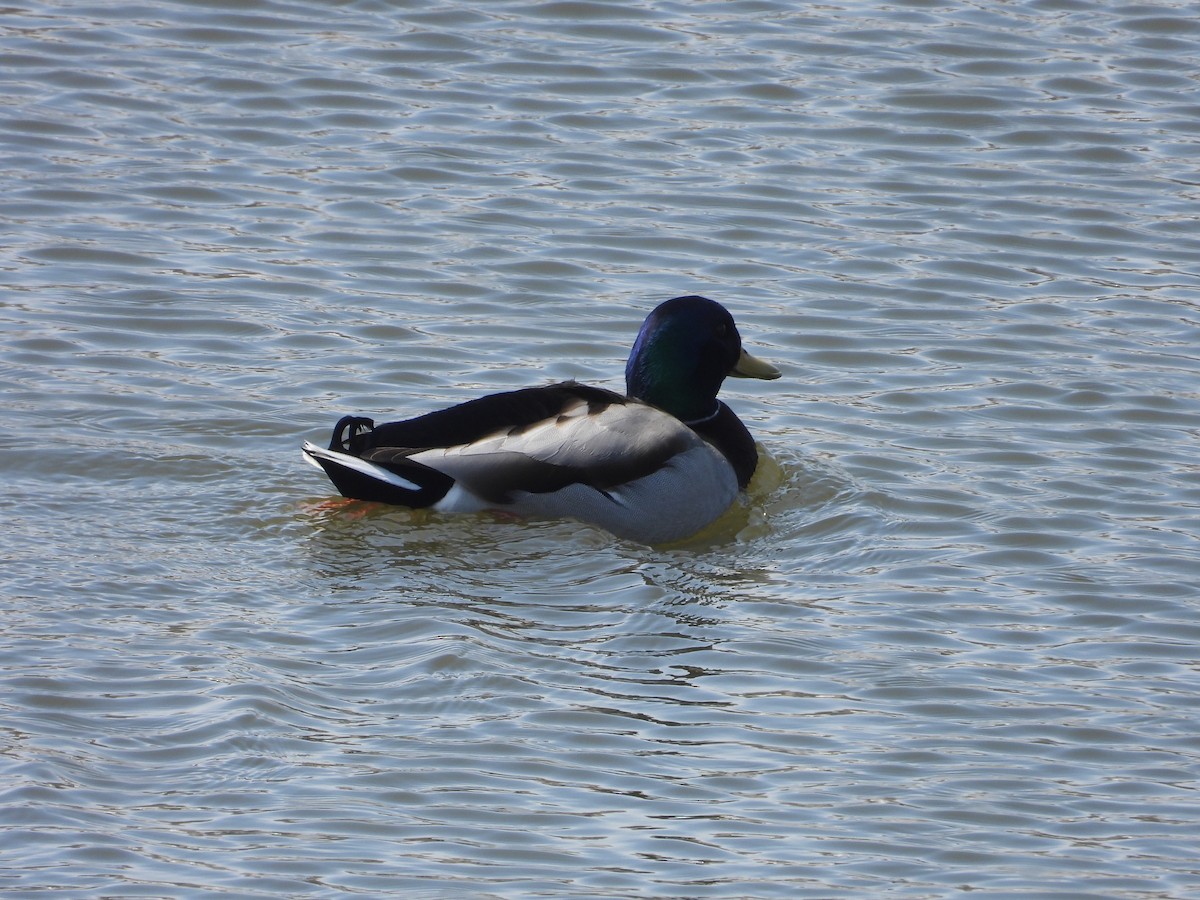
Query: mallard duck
[655, 465]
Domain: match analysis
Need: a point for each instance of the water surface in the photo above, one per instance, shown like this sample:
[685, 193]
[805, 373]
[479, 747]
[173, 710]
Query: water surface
[947, 644]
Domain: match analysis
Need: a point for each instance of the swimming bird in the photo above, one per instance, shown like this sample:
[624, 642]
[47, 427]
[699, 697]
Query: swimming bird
[655, 465]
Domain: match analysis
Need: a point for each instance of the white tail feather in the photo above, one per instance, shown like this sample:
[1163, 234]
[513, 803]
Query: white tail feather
[312, 453]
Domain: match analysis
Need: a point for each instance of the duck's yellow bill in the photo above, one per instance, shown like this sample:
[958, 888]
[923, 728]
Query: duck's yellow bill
[752, 367]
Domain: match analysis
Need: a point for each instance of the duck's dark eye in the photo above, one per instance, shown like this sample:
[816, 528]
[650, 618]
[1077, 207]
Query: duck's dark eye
[721, 331]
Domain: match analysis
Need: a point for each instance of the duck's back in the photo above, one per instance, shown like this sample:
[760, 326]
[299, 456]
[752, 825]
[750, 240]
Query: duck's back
[485, 416]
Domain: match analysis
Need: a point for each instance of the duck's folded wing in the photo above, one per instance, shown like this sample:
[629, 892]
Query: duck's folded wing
[601, 446]
[632, 469]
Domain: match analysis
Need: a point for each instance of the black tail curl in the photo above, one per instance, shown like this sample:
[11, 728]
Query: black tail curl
[351, 435]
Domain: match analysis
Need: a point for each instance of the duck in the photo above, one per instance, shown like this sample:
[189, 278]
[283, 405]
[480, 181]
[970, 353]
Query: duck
[654, 465]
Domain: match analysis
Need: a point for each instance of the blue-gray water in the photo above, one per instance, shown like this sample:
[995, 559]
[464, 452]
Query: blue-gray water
[948, 646]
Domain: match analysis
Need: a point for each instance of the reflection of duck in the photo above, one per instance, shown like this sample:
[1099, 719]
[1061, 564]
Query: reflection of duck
[656, 465]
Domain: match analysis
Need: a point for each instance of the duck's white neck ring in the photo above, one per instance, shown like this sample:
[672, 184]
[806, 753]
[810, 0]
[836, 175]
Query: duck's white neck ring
[692, 423]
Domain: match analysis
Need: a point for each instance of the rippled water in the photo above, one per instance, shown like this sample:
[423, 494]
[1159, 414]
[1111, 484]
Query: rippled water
[949, 643]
